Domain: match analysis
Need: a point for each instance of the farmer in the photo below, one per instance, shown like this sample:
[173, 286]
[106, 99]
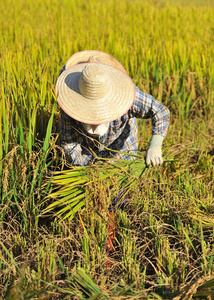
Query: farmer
[99, 106]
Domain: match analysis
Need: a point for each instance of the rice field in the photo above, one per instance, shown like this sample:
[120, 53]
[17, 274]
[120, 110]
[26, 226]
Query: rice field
[164, 238]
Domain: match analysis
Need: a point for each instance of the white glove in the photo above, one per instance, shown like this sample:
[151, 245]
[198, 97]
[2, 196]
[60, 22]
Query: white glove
[154, 156]
[154, 152]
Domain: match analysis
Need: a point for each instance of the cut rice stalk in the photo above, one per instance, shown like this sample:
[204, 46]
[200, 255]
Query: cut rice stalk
[71, 187]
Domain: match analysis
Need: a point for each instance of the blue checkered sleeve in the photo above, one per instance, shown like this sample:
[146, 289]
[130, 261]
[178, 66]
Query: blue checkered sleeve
[145, 107]
[71, 142]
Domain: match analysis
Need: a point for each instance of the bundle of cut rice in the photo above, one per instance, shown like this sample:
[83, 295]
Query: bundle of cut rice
[73, 188]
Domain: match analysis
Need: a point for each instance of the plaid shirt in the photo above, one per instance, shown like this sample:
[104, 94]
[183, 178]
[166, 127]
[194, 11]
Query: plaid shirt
[122, 133]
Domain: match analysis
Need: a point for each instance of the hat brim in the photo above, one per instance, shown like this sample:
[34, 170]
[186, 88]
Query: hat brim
[104, 58]
[112, 106]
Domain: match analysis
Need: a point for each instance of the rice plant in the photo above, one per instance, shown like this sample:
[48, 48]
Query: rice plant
[79, 183]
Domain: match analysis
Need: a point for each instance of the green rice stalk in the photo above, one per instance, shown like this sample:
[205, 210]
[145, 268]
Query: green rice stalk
[71, 187]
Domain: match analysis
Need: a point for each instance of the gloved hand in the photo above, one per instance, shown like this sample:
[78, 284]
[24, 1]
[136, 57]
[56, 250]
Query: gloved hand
[154, 156]
[154, 152]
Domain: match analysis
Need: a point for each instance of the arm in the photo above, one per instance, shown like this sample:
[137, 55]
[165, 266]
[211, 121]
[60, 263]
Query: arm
[145, 106]
[71, 141]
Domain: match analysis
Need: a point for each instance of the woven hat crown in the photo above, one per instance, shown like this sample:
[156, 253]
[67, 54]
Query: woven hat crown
[94, 82]
[93, 58]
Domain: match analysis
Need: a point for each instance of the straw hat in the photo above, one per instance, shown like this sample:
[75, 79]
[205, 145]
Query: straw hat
[94, 56]
[94, 93]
